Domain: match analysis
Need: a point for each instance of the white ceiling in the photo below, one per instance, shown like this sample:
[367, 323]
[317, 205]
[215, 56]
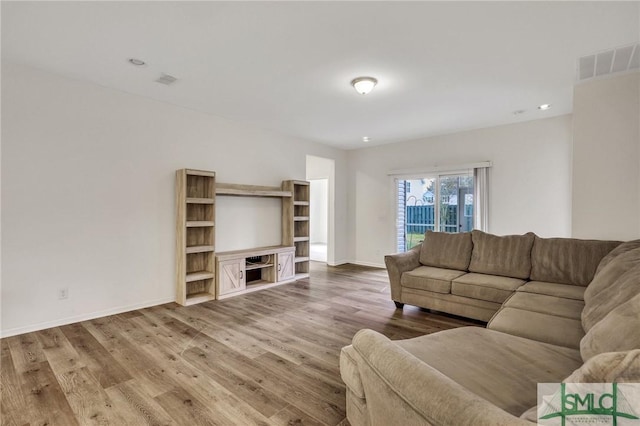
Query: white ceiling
[442, 66]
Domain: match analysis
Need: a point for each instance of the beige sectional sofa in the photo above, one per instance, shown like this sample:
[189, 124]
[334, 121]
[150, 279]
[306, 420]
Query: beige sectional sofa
[471, 274]
[576, 318]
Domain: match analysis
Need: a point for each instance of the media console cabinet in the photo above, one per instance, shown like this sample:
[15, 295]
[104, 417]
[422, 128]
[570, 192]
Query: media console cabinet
[201, 273]
[244, 271]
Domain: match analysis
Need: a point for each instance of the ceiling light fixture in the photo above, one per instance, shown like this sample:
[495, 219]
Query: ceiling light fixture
[544, 107]
[364, 85]
[137, 62]
[365, 139]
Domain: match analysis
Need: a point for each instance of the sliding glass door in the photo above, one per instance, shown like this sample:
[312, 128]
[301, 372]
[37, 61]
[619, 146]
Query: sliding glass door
[433, 203]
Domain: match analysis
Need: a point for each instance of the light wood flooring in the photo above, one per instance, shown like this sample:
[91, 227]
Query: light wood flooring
[265, 358]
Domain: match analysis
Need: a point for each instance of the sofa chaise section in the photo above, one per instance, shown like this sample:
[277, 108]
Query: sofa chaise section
[549, 308]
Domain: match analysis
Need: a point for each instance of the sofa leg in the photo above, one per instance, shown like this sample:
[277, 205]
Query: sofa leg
[398, 305]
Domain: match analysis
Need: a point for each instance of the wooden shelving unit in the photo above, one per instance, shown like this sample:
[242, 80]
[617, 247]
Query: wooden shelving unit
[201, 273]
[195, 236]
[295, 223]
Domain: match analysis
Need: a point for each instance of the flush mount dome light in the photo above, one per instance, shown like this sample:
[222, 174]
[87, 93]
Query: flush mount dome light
[137, 62]
[366, 139]
[364, 85]
[544, 107]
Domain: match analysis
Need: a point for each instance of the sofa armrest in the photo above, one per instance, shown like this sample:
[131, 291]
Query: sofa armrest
[399, 263]
[401, 389]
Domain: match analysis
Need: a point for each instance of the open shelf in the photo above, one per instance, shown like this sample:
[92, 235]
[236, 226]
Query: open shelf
[300, 218]
[199, 223]
[251, 190]
[300, 203]
[205, 173]
[196, 200]
[194, 298]
[199, 249]
[199, 275]
[252, 266]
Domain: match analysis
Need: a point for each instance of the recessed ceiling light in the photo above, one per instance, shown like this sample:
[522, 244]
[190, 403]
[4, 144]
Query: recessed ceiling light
[365, 139]
[364, 85]
[518, 112]
[137, 62]
[544, 107]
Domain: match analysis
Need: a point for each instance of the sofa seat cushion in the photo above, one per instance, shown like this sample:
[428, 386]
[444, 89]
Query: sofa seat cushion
[545, 304]
[542, 327]
[445, 250]
[492, 288]
[498, 367]
[437, 280]
[565, 291]
[508, 256]
[567, 260]
[450, 303]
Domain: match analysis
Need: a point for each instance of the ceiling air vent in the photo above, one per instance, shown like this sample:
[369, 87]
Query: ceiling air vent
[621, 59]
[166, 79]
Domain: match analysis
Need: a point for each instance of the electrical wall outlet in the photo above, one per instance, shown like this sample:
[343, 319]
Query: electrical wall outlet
[63, 293]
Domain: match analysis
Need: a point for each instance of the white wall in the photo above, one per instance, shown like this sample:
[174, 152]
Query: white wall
[88, 194]
[529, 181]
[319, 209]
[606, 152]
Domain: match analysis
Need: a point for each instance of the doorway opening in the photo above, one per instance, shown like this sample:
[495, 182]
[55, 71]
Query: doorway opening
[321, 175]
[319, 219]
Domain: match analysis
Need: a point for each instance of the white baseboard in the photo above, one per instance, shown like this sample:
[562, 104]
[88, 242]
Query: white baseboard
[372, 264]
[356, 262]
[84, 317]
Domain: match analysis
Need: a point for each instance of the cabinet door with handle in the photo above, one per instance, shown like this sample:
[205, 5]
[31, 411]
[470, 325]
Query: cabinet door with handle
[231, 276]
[286, 268]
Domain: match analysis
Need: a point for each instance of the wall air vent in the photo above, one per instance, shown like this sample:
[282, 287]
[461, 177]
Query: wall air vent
[621, 59]
[166, 79]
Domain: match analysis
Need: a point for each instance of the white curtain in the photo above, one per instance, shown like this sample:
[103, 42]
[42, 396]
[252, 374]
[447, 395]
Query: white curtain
[481, 198]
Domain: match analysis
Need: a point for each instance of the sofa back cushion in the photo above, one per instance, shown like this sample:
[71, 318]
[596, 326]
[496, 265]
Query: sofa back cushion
[621, 249]
[443, 250]
[612, 285]
[567, 260]
[616, 332]
[509, 255]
